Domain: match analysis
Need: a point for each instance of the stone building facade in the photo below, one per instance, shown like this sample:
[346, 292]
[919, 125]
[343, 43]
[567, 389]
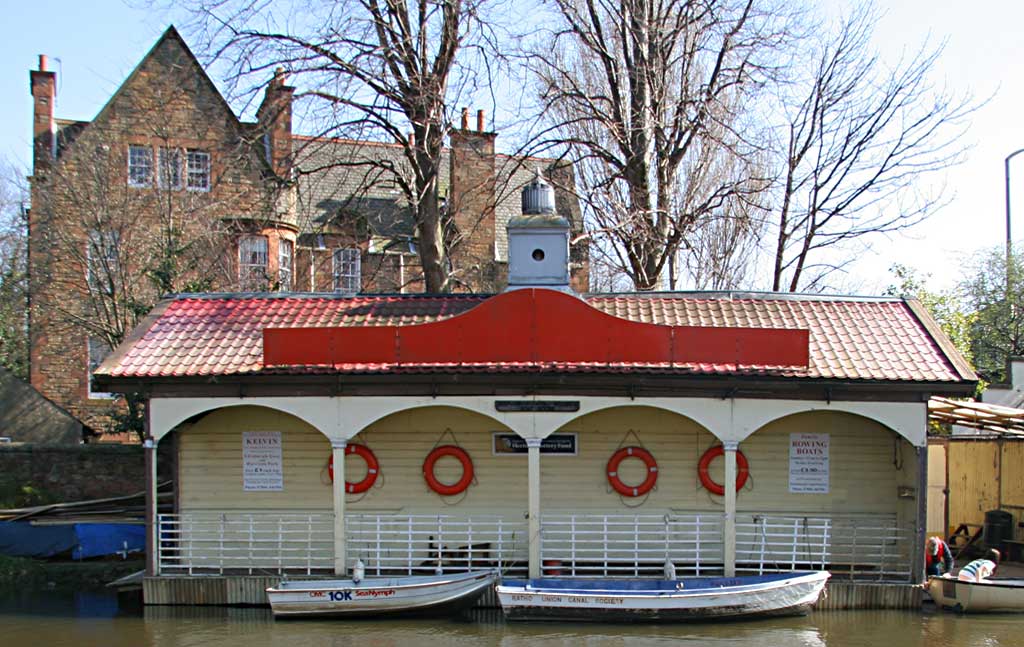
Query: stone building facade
[167, 190]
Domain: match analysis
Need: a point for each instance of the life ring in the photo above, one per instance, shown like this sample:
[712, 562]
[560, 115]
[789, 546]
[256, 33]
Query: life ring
[457, 453]
[742, 470]
[649, 463]
[372, 469]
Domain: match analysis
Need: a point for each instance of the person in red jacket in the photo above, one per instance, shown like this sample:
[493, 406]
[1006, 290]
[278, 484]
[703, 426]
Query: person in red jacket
[937, 557]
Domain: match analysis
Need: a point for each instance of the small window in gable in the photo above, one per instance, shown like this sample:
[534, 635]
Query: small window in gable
[98, 351]
[347, 272]
[198, 170]
[252, 263]
[170, 169]
[285, 250]
[140, 166]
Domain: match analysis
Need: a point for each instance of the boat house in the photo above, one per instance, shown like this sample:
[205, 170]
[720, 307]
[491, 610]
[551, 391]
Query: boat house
[537, 431]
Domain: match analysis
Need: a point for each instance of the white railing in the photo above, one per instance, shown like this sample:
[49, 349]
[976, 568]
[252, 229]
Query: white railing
[574, 545]
[411, 544]
[853, 547]
[212, 543]
[631, 545]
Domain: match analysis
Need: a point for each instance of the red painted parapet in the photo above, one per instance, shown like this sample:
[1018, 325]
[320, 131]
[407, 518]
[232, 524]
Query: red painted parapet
[536, 326]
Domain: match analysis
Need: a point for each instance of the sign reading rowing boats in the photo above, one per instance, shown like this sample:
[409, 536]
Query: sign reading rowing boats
[808, 463]
[261, 461]
[537, 405]
[554, 444]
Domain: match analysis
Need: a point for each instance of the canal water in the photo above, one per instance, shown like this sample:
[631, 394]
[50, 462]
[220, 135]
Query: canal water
[80, 620]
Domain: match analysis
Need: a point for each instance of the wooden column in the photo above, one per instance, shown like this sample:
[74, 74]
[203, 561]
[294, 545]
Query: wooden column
[729, 528]
[533, 481]
[338, 491]
[152, 501]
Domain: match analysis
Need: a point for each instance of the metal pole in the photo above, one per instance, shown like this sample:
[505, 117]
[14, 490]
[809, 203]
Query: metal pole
[1009, 237]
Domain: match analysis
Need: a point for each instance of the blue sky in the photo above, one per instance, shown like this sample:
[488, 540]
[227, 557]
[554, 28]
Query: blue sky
[94, 45]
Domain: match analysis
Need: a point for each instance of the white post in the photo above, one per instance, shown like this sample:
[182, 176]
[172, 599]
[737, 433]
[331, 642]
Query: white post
[533, 480]
[152, 504]
[729, 532]
[338, 489]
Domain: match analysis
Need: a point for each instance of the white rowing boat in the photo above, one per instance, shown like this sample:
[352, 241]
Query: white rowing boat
[693, 598]
[988, 596]
[434, 595]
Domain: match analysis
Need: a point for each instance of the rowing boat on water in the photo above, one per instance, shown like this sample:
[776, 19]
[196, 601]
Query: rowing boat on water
[695, 598]
[433, 595]
[988, 596]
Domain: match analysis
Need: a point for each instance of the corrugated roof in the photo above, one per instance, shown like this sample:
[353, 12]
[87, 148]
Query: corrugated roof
[850, 339]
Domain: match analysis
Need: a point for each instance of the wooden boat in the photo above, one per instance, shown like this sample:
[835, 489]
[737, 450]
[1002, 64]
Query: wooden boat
[990, 596]
[695, 598]
[432, 595]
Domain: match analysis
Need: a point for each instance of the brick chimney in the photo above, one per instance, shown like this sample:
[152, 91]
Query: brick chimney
[471, 202]
[43, 85]
[275, 121]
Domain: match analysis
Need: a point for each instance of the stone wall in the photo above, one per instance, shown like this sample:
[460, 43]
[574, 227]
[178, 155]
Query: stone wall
[80, 472]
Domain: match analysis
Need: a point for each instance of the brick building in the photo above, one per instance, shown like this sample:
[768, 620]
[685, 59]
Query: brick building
[167, 190]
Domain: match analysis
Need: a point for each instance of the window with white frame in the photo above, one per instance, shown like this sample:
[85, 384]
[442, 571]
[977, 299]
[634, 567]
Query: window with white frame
[252, 263]
[98, 351]
[169, 176]
[102, 261]
[140, 166]
[347, 277]
[285, 252]
[197, 170]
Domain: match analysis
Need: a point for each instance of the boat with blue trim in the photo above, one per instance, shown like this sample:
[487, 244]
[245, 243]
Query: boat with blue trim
[686, 599]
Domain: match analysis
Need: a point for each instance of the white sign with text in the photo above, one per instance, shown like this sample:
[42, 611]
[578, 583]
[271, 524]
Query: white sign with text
[808, 463]
[261, 461]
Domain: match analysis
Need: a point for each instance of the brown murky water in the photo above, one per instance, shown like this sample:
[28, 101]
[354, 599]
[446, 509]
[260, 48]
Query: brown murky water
[80, 620]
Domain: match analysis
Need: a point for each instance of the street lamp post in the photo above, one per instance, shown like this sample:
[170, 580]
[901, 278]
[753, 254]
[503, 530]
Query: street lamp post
[1009, 238]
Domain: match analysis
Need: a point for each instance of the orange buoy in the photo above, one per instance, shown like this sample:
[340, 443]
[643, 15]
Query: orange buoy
[742, 470]
[457, 453]
[372, 469]
[630, 490]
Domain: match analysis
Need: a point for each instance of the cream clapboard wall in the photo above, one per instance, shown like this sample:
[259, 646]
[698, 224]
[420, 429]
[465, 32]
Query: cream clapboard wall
[868, 463]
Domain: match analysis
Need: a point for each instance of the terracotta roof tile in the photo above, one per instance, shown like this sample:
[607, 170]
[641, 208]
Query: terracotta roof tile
[853, 339]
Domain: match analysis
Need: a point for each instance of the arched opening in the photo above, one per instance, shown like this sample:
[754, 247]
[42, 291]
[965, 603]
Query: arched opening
[252, 493]
[830, 490]
[401, 525]
[591, 529]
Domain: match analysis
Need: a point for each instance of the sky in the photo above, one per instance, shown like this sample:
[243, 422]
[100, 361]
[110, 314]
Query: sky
[94, 45]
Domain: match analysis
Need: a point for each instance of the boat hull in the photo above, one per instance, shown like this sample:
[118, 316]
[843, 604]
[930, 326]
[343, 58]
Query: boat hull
[698, 599]
[409, 596]
[990, 596]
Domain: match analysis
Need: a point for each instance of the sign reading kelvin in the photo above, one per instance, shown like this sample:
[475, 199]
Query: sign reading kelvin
[808, 463]
[261, 461]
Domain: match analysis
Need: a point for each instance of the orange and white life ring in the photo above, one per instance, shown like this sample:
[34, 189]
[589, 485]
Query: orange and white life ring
[442, 488]
[372, 469]
[742, 470]
[649, 463]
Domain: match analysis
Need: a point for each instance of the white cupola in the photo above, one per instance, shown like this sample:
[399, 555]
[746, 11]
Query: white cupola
[538, 241]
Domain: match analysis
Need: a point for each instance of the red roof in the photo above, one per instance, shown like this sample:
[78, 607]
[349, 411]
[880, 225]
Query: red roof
[848, 338]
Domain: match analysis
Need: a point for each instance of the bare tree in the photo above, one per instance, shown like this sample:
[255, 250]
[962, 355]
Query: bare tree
[652, 96]
[371, 70]
[13, 270]
[858, 138]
